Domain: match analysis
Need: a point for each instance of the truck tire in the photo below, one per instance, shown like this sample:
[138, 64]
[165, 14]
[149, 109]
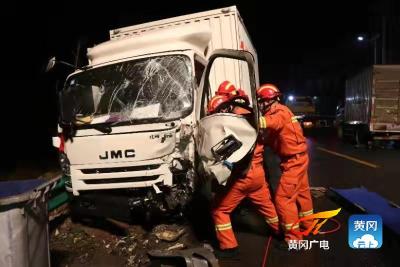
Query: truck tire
[343, 133]
[361, 135]
[339, 132]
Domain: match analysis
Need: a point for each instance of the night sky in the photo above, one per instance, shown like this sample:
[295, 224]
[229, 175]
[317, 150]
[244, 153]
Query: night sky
[306, 47]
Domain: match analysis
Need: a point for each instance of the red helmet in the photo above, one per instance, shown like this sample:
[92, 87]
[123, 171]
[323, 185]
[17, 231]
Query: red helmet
[226, 88]
[267, 92]
[216, 102]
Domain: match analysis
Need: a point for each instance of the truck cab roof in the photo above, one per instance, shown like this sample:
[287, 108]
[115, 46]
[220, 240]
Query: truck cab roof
[187, 37]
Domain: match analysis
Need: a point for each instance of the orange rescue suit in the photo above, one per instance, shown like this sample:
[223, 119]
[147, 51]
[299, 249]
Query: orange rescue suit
[284, 135]
[252, 185]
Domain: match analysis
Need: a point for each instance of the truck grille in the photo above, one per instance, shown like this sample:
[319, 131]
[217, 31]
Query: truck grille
[121, 180]
[121, 169]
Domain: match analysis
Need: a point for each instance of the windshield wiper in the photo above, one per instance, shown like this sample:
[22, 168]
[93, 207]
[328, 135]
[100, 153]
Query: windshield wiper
[102, 128]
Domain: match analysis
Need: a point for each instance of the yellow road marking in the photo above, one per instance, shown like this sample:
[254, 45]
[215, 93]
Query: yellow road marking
[349, 157]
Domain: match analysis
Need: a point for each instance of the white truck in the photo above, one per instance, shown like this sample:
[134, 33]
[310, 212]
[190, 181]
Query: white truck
[130, 119]
[372, 105]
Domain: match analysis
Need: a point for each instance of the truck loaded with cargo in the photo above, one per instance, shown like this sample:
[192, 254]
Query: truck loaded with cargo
[372, 105]
[133, 120]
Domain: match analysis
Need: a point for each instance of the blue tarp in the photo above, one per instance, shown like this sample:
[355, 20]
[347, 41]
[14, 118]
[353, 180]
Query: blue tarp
[373, 203]
[13, 188]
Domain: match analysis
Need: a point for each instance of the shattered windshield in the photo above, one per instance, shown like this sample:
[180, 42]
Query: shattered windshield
[156, 89]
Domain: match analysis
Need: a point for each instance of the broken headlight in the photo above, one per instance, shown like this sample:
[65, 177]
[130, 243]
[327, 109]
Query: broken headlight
[64, 164]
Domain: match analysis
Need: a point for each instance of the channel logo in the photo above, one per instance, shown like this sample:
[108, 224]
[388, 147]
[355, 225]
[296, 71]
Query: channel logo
[365, 231]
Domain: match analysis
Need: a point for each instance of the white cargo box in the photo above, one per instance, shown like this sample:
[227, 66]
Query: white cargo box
[227, 31]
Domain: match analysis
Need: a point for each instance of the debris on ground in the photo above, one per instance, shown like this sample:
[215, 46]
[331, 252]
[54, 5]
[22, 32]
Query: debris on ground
[120, 242]
[169, 233]
[176, 246]
[58, 212]
[79, 244]
[131, 260]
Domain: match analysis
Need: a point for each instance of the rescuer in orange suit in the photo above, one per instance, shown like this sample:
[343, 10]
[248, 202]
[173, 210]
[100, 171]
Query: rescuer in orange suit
[250, 184]
[283, 133]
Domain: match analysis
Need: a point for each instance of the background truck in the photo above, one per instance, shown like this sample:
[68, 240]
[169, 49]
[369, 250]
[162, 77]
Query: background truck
[303, 107]
[372, 105]
[129, 119]
[306, 110]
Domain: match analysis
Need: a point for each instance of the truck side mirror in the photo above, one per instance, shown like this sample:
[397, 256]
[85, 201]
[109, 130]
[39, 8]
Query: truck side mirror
[51, 64]
[53, 61]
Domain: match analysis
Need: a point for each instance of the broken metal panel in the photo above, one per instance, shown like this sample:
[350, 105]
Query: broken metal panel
[193, 257]
[215, 128]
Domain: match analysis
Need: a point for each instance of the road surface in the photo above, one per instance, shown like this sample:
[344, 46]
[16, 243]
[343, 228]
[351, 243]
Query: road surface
[332, 164]
[338, 165]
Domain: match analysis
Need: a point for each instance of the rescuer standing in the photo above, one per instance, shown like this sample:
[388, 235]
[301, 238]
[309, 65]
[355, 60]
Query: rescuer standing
[283, 133]
[252, 184]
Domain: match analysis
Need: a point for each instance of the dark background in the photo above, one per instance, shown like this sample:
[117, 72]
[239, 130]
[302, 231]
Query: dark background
[305, 47]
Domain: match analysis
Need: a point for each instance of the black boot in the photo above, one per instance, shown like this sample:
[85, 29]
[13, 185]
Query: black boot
[230, 253]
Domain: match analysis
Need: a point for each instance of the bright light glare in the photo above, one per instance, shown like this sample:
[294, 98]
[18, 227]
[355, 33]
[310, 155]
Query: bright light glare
[291, 98]
[307, 124]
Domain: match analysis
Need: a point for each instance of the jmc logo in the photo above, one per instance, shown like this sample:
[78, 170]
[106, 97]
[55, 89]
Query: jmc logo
[118, 154]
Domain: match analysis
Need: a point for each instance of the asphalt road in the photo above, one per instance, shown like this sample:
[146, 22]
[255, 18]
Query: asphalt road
[338, 165]
[334, 164]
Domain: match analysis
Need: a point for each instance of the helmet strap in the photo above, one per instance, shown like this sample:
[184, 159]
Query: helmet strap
[268, 106]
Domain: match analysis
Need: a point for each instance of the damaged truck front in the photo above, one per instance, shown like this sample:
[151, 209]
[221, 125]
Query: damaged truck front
[128, 119]
[131, 128]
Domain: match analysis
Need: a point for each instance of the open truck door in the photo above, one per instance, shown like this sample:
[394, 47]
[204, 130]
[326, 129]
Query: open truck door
[224, 139]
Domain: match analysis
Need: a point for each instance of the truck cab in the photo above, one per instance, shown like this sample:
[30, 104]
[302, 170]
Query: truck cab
[303, 107]
[130, 119]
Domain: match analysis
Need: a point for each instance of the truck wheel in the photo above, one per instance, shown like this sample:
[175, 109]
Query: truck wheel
[343, 134]
[360, 136]
[339, 132]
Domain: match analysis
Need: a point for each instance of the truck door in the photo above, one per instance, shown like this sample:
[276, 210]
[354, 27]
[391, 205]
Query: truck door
[226, 138]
